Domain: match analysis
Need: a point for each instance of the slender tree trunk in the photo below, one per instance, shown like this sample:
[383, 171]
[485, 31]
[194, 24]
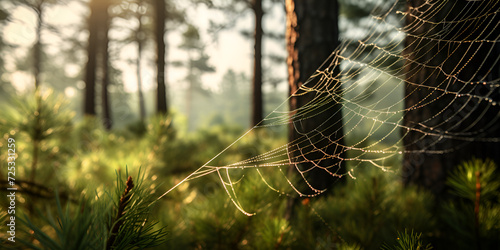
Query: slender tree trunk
[311, 36]
[91, 66]
[37, 65]
[161, 93]
[257, 109]
[106, 107]
[37, 57]
[436, 113]
[189, 98]
[140, 40]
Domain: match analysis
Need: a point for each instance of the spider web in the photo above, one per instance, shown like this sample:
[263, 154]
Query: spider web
[423, 79]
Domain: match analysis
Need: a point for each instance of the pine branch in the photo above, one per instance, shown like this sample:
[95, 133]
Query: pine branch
[120, 213]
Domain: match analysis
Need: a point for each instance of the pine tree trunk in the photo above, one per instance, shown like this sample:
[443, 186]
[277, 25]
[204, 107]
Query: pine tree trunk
[140, 40]
[257, 110]
[91, 66]
[37, 57]
[311, 36]
[161, 94]
[106, 107]
[435, 111]
[37, 64]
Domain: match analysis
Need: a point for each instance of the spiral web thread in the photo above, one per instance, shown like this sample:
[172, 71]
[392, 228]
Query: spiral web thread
[371, 89]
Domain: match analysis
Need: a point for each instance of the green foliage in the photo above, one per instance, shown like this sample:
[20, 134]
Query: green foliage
[365, 213]
[49, 120]
[216, 224]
[276, 234]
[207, 217]
[409, 241]
[346, 246]
[360, 214]
[472, 218]
[371, 209]
[72, 228]
[167, 141]
[89, 224]
[137, 229]
[97, 154]
[42, 129]
[464, 180]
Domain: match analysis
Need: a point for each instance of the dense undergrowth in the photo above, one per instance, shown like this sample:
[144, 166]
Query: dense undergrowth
[81, 161]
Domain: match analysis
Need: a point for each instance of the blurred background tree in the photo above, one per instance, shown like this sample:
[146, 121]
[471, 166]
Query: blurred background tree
[234, 10]
[197, 64]
[160, 8]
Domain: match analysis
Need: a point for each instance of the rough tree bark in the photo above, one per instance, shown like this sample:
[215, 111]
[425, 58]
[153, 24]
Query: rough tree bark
[435, 71]
[311, 36]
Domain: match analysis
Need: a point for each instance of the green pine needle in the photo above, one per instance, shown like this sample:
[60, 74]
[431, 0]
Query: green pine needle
[409, 241]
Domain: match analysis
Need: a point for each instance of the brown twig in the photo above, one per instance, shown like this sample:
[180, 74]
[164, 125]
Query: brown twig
[121, 207]
[36, 190]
